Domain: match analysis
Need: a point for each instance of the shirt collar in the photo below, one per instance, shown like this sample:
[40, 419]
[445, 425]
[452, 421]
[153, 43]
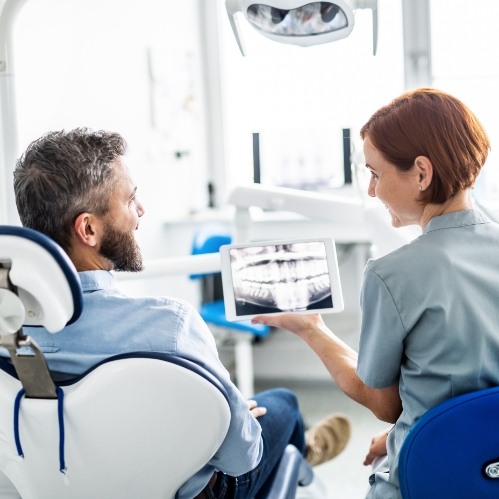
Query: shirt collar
[456, 219]
[93, 280]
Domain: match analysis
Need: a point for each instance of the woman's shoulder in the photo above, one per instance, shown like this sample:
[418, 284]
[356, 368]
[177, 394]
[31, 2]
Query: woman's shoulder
[415, 250]
[411, 261]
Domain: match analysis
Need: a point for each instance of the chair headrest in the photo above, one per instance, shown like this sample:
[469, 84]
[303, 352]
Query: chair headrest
[47, 283]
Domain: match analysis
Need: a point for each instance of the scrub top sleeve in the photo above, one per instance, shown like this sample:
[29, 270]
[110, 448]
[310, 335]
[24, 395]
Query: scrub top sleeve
[382, 334]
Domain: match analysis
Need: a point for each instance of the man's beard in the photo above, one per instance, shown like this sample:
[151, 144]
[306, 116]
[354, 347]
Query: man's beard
[121, 249]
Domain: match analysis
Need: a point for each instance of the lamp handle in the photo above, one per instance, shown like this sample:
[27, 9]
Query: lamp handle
[234, 7]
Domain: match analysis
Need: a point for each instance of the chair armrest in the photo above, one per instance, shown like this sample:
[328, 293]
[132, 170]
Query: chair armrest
[292, 471]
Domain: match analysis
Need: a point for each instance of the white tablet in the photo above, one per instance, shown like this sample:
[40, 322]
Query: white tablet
[273, 277]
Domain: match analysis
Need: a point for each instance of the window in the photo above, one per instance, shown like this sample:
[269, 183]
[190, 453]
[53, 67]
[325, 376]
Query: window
[464, 58]
[285, 91]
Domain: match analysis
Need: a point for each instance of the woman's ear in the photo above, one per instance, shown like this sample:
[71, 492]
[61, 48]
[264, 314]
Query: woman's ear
[86, 229]
[424, 169]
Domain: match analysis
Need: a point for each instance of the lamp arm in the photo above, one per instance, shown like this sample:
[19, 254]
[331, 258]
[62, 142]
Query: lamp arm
[375, 29]
[314, 205]
[374, 6]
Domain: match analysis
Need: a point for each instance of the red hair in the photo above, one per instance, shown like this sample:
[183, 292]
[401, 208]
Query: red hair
[429, 122]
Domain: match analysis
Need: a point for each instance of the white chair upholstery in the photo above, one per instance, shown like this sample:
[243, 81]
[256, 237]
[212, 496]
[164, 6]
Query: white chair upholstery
[132, 428]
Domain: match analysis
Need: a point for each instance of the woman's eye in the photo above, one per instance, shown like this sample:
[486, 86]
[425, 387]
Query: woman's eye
[374, 176]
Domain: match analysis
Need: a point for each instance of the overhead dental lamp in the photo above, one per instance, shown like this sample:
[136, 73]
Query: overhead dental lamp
[299, 23]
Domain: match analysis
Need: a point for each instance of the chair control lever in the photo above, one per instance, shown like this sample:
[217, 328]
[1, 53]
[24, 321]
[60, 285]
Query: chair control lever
[31, 367]
[29, 363]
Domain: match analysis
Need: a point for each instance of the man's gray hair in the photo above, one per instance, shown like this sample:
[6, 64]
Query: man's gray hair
[64, 174]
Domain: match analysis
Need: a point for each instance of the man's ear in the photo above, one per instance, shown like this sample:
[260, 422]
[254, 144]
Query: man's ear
[85, 227]
[424, 168]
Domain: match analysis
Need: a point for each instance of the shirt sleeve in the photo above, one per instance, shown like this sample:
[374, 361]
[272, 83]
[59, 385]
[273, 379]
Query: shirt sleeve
[382, 334]
[242, 448]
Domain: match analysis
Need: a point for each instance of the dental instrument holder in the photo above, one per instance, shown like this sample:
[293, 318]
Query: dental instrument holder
[345, 211]
[353, 220]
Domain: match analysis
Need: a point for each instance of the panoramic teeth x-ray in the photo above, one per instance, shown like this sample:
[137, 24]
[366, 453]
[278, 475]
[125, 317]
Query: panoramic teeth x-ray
[288, 277]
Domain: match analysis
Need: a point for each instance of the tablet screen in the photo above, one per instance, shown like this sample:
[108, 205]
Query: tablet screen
[274, 277]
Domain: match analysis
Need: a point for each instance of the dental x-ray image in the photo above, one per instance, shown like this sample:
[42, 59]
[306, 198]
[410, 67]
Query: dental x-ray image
[280, 278]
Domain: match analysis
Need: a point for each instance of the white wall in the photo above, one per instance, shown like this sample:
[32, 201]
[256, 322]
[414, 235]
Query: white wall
[464, 42]
[127, 66]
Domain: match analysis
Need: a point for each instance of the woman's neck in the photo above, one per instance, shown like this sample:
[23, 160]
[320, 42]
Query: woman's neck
[461, 201]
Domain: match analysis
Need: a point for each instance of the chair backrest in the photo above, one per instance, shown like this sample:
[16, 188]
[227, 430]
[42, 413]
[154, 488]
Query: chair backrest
[132, 427]
[453, 450]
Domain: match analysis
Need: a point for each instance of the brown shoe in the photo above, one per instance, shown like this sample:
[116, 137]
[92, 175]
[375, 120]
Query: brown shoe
[326, 439]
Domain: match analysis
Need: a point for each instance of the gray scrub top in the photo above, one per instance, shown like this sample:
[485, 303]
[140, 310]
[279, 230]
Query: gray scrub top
[430, 320]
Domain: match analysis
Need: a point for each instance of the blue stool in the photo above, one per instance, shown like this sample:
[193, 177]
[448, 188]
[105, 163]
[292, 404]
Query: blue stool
[208, 239]
[453, 450]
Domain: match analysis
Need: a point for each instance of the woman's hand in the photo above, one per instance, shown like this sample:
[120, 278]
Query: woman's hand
[298, 324]
[377, 448]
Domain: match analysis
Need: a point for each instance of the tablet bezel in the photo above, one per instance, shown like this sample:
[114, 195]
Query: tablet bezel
[228, 287]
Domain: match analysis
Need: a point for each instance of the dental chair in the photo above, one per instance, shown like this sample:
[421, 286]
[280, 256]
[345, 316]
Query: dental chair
[453, 450]
[135, 425]
[208, 239]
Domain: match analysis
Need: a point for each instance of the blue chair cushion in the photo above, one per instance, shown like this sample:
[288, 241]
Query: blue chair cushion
[446, 451]
[208, 239]
[214, 313]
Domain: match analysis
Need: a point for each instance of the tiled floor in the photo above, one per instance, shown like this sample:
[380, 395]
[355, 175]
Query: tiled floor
[344, 477]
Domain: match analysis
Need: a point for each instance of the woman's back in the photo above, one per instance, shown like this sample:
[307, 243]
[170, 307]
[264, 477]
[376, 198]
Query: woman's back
[433, 317]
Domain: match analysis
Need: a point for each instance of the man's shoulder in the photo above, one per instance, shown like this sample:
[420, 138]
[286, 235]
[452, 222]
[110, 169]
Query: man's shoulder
[119, 298]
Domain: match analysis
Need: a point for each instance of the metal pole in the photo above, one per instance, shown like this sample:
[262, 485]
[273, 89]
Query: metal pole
[8, 116]
[417, 43]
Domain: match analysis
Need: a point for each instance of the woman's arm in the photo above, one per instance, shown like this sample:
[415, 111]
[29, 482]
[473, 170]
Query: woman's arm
[341, 362]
